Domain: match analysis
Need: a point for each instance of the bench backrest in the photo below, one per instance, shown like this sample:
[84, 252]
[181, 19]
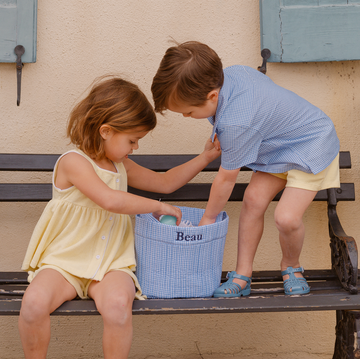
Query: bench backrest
[41, 192]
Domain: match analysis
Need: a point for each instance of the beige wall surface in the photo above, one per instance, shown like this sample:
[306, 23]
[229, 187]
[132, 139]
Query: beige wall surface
[79, 40]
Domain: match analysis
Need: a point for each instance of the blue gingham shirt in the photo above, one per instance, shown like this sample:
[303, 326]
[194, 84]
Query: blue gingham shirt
[268, 128]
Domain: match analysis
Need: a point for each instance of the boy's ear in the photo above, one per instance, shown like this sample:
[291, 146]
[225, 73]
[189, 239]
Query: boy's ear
[213, 95]
[105, 131]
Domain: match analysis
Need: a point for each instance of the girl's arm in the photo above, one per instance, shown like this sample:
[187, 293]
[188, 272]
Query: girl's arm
[75, 170]
[145, 179]
[220, 192]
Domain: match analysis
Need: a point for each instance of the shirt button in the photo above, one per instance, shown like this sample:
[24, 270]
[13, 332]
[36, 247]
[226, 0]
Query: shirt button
[103, 237]
[110, 218]
[117, 180]
[97, 257]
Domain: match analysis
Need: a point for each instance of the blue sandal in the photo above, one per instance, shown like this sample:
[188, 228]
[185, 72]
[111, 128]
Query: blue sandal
[231, 289]
[295, 285]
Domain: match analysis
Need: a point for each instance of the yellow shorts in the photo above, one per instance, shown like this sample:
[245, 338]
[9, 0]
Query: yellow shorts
[81, 285]
[328, 178]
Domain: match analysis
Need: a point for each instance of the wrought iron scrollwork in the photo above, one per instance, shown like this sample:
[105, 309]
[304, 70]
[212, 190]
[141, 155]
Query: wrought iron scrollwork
[344, 255]
[347, 344]
[342, 264]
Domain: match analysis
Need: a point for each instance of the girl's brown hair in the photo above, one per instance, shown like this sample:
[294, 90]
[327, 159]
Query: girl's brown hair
[187, 73]
[112, 101]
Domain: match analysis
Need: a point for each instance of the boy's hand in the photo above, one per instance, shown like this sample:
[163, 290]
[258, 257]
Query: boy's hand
[204, 221]
[220, 192]
[212, 149]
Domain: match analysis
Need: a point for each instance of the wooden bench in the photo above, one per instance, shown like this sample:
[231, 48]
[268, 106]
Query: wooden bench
[331, 289]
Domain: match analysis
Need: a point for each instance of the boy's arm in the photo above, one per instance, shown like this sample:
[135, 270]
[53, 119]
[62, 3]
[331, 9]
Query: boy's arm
[220, 192]
[145, 179]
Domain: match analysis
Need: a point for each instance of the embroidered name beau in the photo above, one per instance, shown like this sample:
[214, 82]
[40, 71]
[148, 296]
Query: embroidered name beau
[268, 128]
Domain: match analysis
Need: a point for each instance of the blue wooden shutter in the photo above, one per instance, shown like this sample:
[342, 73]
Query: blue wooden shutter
[310, 30]
[18, 20]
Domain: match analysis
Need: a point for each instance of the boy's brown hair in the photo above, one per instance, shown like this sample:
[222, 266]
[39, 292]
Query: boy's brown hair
[113, 101]
[187, 73]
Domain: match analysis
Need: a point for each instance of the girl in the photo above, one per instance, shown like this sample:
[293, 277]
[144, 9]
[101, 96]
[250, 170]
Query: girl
[83, 243]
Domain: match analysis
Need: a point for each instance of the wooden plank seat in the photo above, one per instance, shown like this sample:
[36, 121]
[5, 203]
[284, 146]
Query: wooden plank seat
[267, 295]
[333, 288]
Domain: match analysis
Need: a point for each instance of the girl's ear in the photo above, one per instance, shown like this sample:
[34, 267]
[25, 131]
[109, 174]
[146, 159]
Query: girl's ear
[105, 131]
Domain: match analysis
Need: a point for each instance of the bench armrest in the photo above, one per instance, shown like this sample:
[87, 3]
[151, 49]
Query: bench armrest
[344, 257]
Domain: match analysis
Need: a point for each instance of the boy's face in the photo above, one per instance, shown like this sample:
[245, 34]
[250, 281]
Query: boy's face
[208, 109]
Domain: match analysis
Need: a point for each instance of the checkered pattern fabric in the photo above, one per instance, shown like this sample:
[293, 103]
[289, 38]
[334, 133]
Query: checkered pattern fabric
[268, 128]
[179, 262]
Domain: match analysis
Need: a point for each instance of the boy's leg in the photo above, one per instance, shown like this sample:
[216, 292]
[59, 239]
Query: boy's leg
[289, 221]
[260, 192]
[47, 291]
[114, 296]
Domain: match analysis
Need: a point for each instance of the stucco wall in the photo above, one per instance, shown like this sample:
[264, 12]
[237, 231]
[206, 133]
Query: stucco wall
[79, 40]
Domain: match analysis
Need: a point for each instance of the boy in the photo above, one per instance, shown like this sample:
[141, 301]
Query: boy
[287, 142]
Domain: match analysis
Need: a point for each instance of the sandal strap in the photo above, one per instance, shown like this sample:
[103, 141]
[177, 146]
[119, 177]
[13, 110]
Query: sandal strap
[290, 270]
[295, 283]
[291, 282]
[233, 274]
[231, 286]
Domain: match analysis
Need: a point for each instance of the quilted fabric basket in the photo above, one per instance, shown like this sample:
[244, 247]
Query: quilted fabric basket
[179, 262]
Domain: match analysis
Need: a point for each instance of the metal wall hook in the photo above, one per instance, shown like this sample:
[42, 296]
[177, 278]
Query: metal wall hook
[19, 51]
[265, 54]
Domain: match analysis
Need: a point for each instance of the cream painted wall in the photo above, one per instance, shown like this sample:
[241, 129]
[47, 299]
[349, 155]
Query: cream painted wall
[79, 40]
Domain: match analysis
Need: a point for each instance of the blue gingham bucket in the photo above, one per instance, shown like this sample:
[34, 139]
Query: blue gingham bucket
[179, 262]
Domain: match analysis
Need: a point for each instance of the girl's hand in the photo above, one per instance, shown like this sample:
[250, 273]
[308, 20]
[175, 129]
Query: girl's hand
[169, 210]
[212, 149]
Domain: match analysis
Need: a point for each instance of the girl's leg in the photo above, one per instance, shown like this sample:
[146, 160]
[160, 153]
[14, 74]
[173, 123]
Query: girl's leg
[47, 291]
[260, 192]
[113, 297]
[288, 218]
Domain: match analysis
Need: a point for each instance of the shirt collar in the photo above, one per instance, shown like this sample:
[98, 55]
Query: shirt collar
[214, 120]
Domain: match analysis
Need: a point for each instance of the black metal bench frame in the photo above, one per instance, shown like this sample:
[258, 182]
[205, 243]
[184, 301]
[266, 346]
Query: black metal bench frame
[331, 289]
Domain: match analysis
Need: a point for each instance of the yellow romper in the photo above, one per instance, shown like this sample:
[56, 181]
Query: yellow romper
[79, 238]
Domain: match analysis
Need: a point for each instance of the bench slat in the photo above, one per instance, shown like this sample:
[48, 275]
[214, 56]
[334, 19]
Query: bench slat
[14, 284]
[257, 276]
[27, 162]
[257, 288]
[191, 192]
[46, 162]
[334, 299]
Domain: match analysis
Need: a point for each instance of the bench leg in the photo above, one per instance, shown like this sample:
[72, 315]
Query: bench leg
[347, 344]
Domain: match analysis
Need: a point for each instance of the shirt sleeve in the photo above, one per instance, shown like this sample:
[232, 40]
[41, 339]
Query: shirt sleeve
[239, 146]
